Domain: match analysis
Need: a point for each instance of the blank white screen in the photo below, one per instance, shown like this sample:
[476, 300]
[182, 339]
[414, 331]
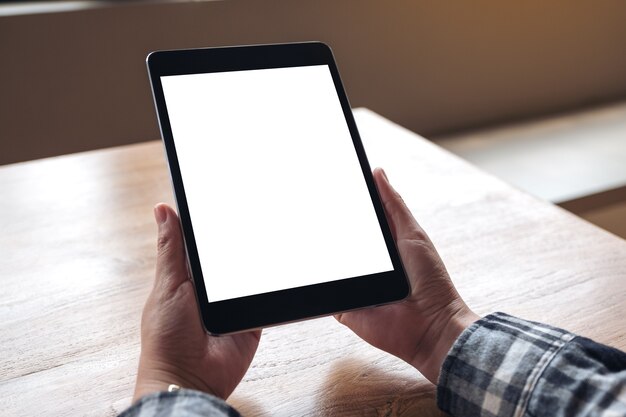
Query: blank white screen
[274, 187]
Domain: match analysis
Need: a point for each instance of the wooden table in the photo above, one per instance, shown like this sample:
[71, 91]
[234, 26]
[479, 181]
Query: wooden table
[77, 245]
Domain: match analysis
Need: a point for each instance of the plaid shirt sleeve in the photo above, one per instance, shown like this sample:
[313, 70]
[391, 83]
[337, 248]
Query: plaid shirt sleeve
[183, 403]
[505, 366]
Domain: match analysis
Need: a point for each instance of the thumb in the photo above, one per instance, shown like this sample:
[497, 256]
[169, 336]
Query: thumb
[171, 263]
[403, 224]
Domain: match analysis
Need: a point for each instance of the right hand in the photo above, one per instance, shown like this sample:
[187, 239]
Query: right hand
[422, 328]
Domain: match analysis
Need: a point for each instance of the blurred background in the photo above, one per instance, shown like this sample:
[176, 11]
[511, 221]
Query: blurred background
[533, 92]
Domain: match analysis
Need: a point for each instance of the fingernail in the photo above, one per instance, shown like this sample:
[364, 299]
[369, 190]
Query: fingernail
[384, 174]
[160, 214]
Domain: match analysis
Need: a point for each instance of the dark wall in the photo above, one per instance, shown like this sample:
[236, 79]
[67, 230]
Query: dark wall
[75, 81]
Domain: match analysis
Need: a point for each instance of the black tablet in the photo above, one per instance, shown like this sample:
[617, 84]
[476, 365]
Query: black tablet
[280, 215]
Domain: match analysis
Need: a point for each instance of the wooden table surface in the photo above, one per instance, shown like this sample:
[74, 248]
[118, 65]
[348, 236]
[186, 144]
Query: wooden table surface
[77, 245]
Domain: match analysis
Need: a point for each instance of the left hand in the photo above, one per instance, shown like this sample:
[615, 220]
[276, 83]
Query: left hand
[175, 348]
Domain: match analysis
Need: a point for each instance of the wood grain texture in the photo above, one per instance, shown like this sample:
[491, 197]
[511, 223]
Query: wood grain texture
[77, 240]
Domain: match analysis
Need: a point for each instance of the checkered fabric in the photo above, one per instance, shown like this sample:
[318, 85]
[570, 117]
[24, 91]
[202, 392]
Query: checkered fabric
[500, 366]
[183, 403]
[504, 366]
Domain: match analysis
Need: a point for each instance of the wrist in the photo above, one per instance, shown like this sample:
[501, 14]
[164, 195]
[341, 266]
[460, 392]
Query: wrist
[146, 387]
[151, 380]
[443, 333]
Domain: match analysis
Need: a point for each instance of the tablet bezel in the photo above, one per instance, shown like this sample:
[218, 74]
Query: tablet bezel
[263, 310]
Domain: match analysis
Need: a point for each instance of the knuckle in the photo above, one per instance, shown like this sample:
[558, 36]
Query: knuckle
[163, 243]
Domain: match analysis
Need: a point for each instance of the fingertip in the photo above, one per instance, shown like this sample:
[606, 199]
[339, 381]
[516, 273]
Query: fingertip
[386, 190]
[379, 177]
[167, 221]
[163, 213]
[344, 318]
[384, 174]
[160, 213]
[379, 173]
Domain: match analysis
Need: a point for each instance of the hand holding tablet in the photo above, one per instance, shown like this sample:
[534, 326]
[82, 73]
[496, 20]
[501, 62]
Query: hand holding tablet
[280, 216]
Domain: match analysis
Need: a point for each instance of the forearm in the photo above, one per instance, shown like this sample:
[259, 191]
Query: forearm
[505, 366]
